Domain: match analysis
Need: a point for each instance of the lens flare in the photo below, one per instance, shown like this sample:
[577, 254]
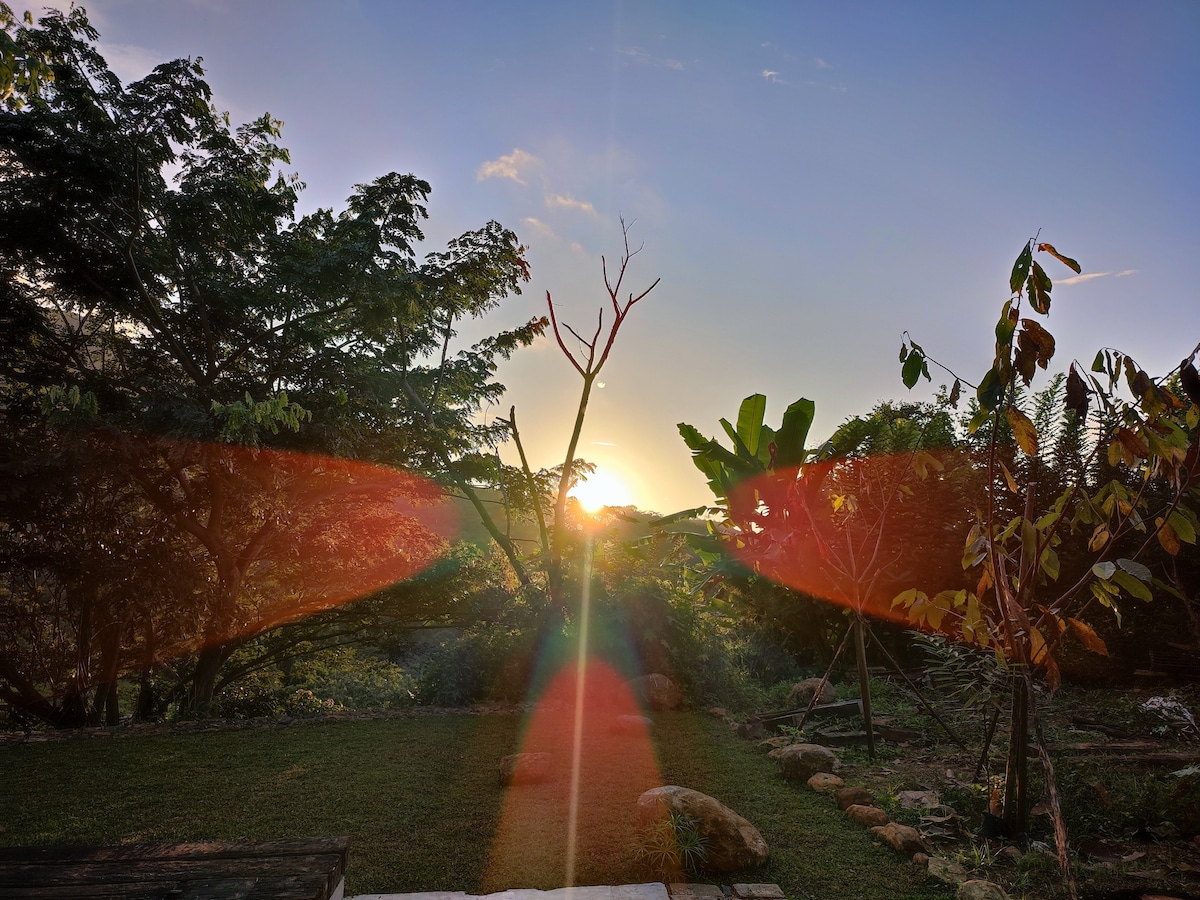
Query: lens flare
[602, 760]
[853, 532]
[276, 536]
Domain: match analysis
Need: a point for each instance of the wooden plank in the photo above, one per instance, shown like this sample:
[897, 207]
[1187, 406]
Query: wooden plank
[132, 871]
[166, 850]
[291, 869]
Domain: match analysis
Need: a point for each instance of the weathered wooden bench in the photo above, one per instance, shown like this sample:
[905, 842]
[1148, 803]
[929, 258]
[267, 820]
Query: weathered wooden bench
[300, 869]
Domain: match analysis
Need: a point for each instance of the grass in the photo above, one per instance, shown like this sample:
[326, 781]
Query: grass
[420, 802]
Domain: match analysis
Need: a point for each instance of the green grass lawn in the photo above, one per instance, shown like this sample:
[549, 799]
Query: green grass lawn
[420, 802]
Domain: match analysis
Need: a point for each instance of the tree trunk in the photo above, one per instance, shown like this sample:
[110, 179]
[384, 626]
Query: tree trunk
[1016, 769]
[864, 683]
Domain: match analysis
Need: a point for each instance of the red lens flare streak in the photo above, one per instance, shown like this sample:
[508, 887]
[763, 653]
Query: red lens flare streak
[279, 535]
[846, 531]
[602, 760]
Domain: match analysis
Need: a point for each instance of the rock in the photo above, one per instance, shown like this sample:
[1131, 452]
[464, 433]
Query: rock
[854, 796]
[657, 691]
[525, 768]
[977, 889]
[751, 731]
[803, 761]
[945, 870]
[717, 712]
[867, 815]
[633, 725]
[825, 782]
[900, 837]
[803, 691]
[732, 842]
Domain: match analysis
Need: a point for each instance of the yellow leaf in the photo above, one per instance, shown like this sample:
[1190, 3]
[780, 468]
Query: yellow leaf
[1088, 637]
[1167, 536]
[1037, 647]
[1099, 539]
[1023, 430]
[1012, 482]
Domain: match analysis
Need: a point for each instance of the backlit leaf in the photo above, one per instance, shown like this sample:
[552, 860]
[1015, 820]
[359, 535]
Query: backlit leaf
[1167, 537]
[1104, 570]
[1088, 637]
[1065, 260]
[955, 392]
[1023, 430]
[750, 420]
[1012, 482]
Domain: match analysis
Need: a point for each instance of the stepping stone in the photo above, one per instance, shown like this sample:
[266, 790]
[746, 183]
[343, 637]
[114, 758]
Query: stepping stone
[758, 892]
[695, 892]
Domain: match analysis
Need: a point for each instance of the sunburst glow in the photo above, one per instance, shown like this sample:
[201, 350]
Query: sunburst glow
[601, 489]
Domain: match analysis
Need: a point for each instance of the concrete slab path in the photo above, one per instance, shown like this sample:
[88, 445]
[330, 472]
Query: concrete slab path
[654, 891]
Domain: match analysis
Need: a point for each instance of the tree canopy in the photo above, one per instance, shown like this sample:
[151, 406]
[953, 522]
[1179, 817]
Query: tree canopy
[161, 301]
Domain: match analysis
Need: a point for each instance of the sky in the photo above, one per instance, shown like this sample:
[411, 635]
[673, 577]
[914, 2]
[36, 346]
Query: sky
[808, 180]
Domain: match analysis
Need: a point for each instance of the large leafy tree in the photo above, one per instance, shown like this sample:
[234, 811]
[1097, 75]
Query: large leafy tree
[161, 295]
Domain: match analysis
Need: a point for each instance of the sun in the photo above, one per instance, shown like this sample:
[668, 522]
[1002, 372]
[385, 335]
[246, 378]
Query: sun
[600, 490]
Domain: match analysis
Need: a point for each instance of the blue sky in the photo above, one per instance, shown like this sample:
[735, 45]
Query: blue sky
[808, 179]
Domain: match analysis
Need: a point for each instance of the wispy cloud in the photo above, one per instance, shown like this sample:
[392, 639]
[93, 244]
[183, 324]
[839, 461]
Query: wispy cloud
[1088, 276]
[771, 76]
[539, 226]
[821, 64]
[510, 166]
[604, 443]
[566, 201]
[638, 55]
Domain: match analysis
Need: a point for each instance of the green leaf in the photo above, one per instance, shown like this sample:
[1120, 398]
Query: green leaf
[1050, 564]
[1104, 570]
[1020, 269]
[792, 434]
[1183, 527]
[1136, 569]
[738, 447]
[990, 390]
[1132, 585]
[750, 420]
[1039, 289]
[1098, 362]
[912, 369]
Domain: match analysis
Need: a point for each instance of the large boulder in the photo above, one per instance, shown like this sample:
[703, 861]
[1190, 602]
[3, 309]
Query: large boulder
[802, 761]
[657, 691]
[731, 843]
[803, 691]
